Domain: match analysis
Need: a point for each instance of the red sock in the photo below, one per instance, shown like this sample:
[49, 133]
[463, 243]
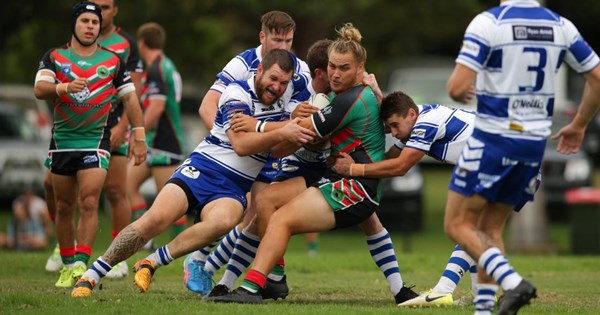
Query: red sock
[115, 233]
[84, 249]
[257, 278]
[281, 262]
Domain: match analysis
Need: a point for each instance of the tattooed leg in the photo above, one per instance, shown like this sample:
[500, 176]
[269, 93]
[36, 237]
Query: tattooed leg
[127, 243]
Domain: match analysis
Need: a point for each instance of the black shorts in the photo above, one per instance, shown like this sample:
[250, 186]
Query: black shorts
[69, 162]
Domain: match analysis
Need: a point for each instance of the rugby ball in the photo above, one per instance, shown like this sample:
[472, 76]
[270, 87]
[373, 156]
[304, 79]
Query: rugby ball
[319, 100]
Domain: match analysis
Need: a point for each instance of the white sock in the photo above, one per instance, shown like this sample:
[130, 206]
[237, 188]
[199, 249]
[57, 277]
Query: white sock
[497, 266]
[382, 251]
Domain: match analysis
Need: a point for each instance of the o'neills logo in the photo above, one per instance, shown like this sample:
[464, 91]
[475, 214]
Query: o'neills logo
[525, 104]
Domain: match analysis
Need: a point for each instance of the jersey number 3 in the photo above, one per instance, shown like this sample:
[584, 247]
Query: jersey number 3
[537, 69]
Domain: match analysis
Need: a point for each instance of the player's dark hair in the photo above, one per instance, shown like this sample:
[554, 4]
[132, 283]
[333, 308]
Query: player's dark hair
[396, 103]
[317, 57]
[281, 57]
[153, 35]
[277, 22]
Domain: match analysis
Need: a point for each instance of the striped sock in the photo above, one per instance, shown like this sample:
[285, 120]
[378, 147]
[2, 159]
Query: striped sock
[242, 256]
[254, 281]
[383, 254]
[278, 272]
[161, 257]
[98, 270]
[497, 266]
[67, 255]
[83, 253]
[458, 264]
[222, 254]
[485, 299]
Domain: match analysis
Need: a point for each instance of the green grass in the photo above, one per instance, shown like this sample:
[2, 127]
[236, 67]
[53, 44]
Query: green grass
[341, 279]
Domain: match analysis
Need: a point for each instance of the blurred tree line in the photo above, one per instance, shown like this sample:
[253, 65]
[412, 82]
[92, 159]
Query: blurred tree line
[203, 35]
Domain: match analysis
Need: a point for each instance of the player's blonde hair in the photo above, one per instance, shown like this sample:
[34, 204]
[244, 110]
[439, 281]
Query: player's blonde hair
[348, 40]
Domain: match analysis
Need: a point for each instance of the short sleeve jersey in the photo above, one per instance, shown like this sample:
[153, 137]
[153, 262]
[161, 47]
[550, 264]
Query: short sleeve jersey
[238, 97]
[80, 119]
[440, 132]
[353, 124]
[517, 48]
[121, 43]
[161, 81]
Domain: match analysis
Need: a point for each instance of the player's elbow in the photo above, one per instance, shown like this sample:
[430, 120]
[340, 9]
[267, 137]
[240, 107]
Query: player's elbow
[37, 91]
[454, 93]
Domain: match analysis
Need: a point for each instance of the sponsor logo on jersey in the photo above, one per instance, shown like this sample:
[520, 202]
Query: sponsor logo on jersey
[418, 133]
[66, 68]
[41, 66]
[102, 72]
[82, 95]
[296, 77]
[470, 48]
[88, 159]
[536, 33]
[83, 63]
[190, 171]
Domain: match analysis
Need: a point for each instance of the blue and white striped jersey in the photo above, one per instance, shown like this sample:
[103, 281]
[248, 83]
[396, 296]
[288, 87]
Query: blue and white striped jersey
[245, 65]
[238, 97]
[440, 132]
[517, 48]
[304, 155]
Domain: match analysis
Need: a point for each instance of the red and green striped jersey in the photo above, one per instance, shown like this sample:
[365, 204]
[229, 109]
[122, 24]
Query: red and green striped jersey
[125, 46]
[80, 119]
[354, 126]
[161, 81]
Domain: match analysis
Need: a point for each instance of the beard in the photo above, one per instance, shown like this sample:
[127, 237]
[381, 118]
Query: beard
[264, 94]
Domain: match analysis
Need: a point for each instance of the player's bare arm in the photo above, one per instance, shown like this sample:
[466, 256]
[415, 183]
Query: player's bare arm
[137, 141]
[43, 89]
[398, 166]
[460, 84]
[247, 143]
[570, 137]
[208, 108]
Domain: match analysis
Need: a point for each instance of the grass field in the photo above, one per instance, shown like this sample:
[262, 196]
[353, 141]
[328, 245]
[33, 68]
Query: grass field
[341, 279]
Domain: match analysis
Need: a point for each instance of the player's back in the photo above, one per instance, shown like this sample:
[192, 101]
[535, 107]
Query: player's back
[518, 51]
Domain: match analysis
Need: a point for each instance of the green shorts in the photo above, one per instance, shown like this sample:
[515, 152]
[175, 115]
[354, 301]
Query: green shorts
[351, 203]
[69, 162]
[163, 158]
[123, 150]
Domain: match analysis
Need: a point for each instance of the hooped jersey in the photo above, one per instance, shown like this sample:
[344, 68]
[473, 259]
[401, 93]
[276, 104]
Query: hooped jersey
[238, 97]
[125, 46]
[161, 81]
[353, 124]
[517, 48]
[80, 119]
[245, 65]
[440, 132]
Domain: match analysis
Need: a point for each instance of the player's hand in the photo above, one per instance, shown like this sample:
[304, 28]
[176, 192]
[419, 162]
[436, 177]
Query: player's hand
[342, 164]
[569, 139]
[137, 151]
[370, 80]
[469, 95]
[295, 133]
[240, 122]
[77, 85]
[304, 110]
[117, 137]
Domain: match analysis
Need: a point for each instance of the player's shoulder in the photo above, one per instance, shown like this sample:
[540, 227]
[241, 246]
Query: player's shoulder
[122, 33]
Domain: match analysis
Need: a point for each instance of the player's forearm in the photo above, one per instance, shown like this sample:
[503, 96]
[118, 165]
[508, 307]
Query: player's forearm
[383, 169]
[208, 108]
[249, 143]
[590, 101]
[49, 91]
[132, 109]
[153, 113]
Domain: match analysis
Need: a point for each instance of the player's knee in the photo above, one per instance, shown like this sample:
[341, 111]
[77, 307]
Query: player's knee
[88, 203]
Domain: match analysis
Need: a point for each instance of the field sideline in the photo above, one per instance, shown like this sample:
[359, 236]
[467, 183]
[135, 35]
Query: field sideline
[342, 278]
